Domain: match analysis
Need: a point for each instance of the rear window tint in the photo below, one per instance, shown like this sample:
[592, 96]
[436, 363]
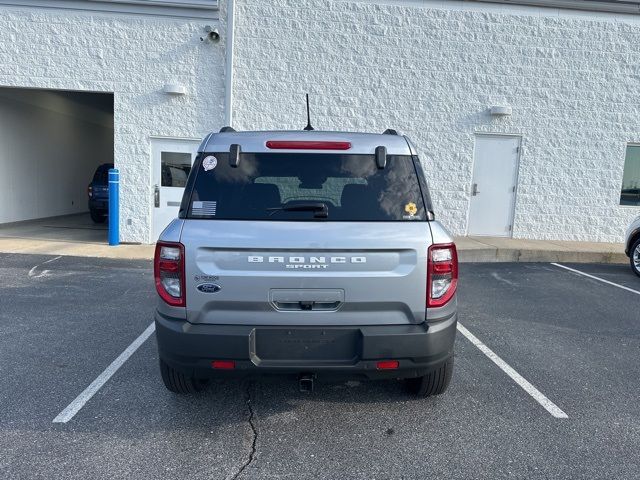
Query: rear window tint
[352, 187]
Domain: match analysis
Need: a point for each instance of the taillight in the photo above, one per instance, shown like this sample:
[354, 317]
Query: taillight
[169, 273]
[90, 191]
[442, 274]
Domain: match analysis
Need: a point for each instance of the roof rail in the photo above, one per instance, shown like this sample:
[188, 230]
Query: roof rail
[390, 131]
[227, 129]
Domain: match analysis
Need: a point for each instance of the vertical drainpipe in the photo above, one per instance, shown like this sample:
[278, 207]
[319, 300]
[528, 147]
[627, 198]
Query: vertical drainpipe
[228, 117]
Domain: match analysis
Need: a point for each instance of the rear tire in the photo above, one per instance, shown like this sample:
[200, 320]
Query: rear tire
[97, 217]
[435, 382]
[178, 382]
[634, 257]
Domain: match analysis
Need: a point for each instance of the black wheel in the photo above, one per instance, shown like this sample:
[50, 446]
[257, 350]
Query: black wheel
[433, 383]
[178, 382]
[97, 217]
[634, 256]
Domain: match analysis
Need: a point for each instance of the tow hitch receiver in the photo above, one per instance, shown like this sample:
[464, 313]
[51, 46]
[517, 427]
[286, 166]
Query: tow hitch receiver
[305, 382]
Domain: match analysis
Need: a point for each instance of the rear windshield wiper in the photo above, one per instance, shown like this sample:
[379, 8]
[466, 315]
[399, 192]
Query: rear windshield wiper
[320, 209]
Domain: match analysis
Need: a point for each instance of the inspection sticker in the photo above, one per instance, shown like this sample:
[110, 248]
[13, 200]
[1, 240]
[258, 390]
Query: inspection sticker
[209, 163]
[204, 208]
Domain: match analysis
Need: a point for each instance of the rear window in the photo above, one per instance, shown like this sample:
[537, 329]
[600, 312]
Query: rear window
[305, 187]
[101, 176]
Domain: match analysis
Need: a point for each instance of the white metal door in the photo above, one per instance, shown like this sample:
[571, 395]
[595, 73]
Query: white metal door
[172, 160]
[493, 190]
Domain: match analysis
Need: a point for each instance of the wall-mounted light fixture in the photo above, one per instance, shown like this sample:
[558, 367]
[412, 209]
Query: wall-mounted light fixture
[174, 89]
[211, 35]
[501, 110]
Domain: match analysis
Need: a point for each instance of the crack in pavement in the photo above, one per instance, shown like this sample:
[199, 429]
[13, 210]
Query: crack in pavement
[254, 435]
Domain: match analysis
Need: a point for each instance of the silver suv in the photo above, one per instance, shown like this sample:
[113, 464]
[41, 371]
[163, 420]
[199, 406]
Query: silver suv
[314, 254]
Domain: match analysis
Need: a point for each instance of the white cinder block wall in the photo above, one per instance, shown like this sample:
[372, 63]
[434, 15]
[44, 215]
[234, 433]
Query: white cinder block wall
[133, 56]
[432, 70]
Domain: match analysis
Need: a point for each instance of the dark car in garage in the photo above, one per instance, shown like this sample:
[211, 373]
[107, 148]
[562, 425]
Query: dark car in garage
[98, 192]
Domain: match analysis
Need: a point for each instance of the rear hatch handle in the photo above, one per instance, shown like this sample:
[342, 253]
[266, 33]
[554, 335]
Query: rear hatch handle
[307, 300]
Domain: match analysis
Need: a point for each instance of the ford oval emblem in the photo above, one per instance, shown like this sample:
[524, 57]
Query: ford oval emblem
[209, 288]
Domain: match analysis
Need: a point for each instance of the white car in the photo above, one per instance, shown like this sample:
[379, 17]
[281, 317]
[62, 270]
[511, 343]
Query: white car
[632, 242]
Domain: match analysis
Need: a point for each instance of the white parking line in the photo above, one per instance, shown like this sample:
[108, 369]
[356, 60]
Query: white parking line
[597, 278]
[537, 395]
[79, 402]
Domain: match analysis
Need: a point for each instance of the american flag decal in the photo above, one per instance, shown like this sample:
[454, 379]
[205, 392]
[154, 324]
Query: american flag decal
[204, 209]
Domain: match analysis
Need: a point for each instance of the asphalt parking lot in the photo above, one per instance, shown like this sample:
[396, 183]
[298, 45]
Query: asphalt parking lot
[575, 338]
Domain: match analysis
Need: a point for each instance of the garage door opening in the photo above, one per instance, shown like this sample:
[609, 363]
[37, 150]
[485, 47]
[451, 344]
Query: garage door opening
[52, 145]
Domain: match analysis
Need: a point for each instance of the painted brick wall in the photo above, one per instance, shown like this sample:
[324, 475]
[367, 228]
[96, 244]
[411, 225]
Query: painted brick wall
[573, 82]
[133, 57]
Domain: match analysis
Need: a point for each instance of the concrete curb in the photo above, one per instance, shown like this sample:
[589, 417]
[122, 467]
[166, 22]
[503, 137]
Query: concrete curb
[489, 255]
[76, 249]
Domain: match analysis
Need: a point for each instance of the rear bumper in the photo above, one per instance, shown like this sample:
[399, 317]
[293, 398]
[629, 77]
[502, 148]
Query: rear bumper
[99, 204]
[325, 351]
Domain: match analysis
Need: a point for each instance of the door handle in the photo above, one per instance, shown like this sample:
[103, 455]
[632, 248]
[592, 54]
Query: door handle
[474, 190]
[156, 196]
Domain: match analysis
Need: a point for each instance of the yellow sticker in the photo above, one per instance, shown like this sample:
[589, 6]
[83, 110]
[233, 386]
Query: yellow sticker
[411, 208]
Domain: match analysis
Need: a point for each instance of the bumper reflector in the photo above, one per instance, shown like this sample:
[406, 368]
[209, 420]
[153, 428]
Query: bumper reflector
[388, 365]
[223, 364]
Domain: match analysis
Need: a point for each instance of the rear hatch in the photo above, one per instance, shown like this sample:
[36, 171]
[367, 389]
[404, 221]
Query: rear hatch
[100, 191]
[100, 182]
[305, 239]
